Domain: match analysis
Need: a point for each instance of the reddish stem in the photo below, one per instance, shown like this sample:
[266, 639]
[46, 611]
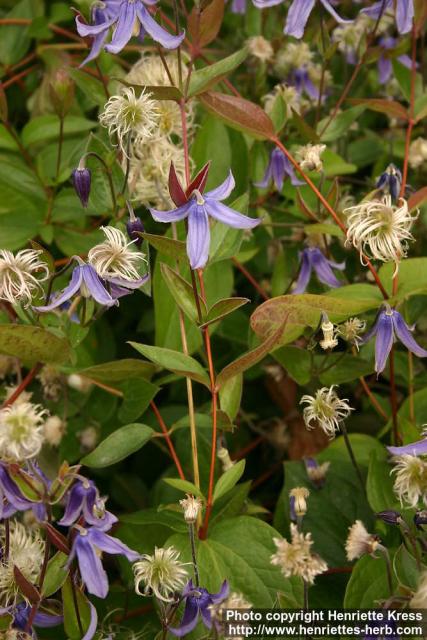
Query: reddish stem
[411, 120]
[168, 439]
[251, 279]
[19, 76]
[24, 384]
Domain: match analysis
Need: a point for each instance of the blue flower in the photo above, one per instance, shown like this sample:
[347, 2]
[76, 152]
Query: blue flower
[384, 64]
[123, 15]
[86, 547]
[313, 259]
[277, 170]
[388, 326]
[404, 12]
[21, 614]
[418, 448]
[197, 211]
[84, 499]
[298, 14]
[11, 498]
[238, 7]
[198, 602]
[87, 283]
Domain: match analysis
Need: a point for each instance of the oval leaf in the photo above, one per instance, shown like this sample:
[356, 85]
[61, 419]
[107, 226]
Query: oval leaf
[33, 344]
[117, 446]
[228, 479]
[202, 79]
[175, 361]
[184, 485]
[239, 113]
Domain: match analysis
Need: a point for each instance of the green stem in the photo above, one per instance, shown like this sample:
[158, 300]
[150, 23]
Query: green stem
[352, 456]
[60, 144]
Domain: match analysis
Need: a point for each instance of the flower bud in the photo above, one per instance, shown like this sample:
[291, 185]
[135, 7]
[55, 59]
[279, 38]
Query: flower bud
[420, 518]
[224, 455]
[328, 329]
[134, 228]
[390, 181]
[298, 497]
[316, 472]
[61, 92]
[191, 507]
[390, 516]
[82, 178]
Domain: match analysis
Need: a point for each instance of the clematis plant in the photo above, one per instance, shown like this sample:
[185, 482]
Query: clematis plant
[404, 13]
[196, 207]
[84, 499]
[312, 259]
[124, 16]
[388, 327]
[278, 169]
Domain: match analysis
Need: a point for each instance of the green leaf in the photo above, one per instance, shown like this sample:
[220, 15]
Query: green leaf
[230, 395]
[183, 293]
[71, 624]
[168, 246]
[412, 278]
[184, 485]
[296, 361]
[90, 85]
[212, 144]
[239, 113]
[56, 574]
[341, 369]
[138, 394]
[15, 40]
[33, 344]
[170, 519]
[405, 568]
[403, 76]
[368, 583]
[240, 549]
[44, 128]
[305, 311]
[175, 361]
[118, 445]
[379, 484]
[249, 358]
[118, 371]
[222, 308]
[340, 124]
[205, 78]
[389, 107]
[228, 479]
[323, 228]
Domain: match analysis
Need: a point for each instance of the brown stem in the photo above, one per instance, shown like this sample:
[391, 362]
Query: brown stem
[168, 439]
[251, 279]
[24, 384]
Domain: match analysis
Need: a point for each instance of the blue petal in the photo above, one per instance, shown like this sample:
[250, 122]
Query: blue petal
[418, 448]
[124, 27]
[90, 565]
[198, 238]
[74, 506]
[174, 215]
[223, 190]
[222, 593]
[304, 274]
[264, 4]
[96, 287]
[405, 336]
[228, 216]
[67, 293]
[97, 45]
[111, 545]
[189, 619]
[404, 15]
[128, 284]
[297, 17]
[93, 623]
[384, 341]
[157, 32]
[375, 10]
[323, 269]
[329, 8]
[85, 30]
[46, 620]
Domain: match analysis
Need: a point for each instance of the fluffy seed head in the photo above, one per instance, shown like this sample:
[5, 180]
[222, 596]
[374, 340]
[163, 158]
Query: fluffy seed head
[127, 115]
[233, 601]
[410, 483]
[317, 472]
[359, 541]
[26, 551]
[162, 574]
[260, 48]
[295, 558]
[21, 275]
[419, 599]
[326, 409]
[288, 94]
[380, 229]
[308, 157]
[294, 55]
[51, 380]
[418, 153]
[115, 257]
[351, 330]
[54, 429]
[21, 431]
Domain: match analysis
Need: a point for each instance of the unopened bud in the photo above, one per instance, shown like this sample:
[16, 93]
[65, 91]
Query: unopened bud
[224, 455]
[298, 497]
[420, 518]
[191, 507]
[390, 517]
[316, 472]
[329, 340]
[61, 92]
[82, 179]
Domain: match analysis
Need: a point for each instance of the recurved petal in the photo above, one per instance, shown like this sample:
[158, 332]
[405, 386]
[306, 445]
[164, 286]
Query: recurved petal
[330, 9]
[93, 624]
[418, 448]
[405, 336]
[222, 593]
[404, 15]
[198, 238]
[111, 545]
[304, 274]
[189, 619]
[96, 287]
[174, 215]
[90, 565]
[84, 29]
[223, 190]
[97, 45]
[157, 32]
[67, 293]
[323, 270]
[228, 216]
